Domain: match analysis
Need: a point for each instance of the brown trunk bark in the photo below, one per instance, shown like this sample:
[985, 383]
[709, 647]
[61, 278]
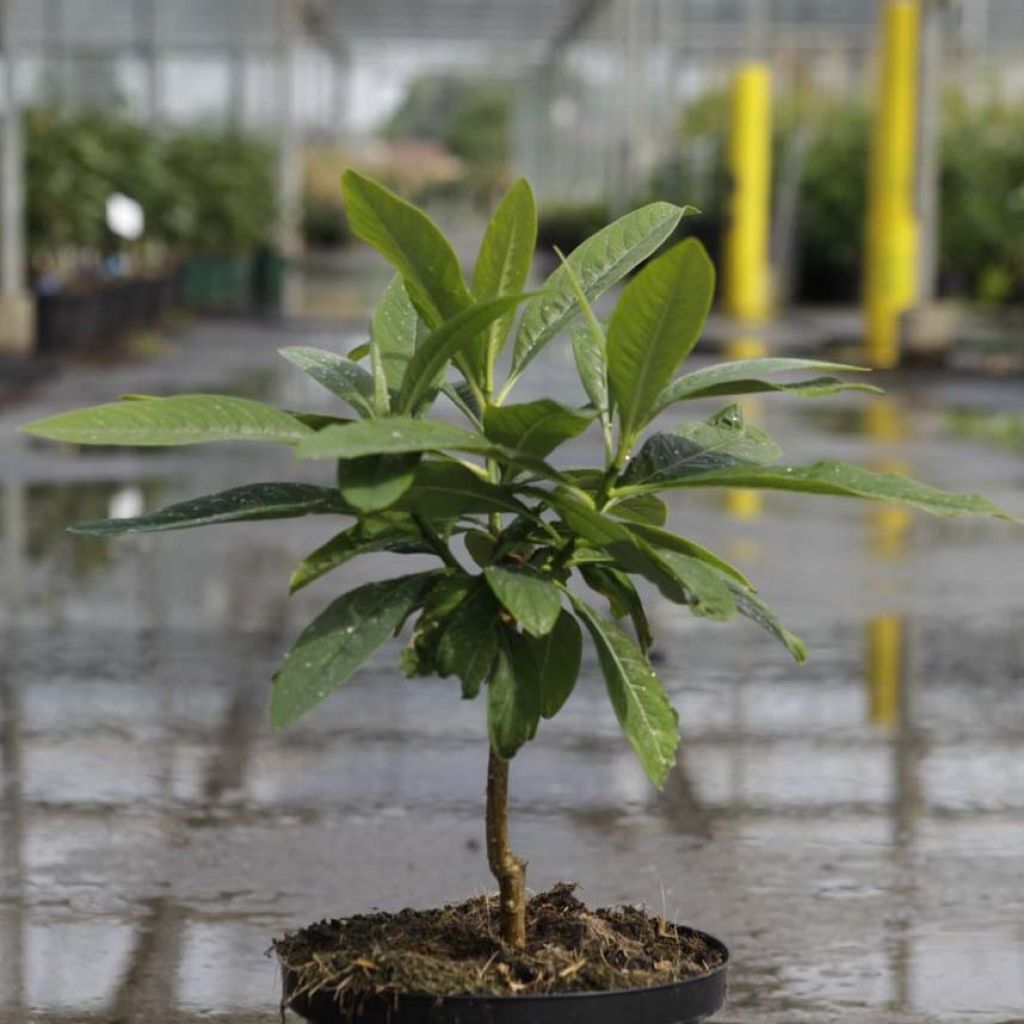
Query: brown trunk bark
[506, 867]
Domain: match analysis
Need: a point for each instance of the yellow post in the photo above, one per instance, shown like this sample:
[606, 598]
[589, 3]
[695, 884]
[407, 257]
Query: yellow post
[885, 668]
[886, 424]
[891, 273]
[747, 289]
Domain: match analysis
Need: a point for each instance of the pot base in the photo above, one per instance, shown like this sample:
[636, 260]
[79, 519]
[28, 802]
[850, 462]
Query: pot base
[683, 1002]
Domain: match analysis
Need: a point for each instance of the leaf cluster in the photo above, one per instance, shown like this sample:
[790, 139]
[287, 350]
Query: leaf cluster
[524, 549]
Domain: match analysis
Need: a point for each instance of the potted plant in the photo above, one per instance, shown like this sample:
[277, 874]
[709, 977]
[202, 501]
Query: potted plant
[519, 538]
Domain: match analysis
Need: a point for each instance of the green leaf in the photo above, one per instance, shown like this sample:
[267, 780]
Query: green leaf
[556, 660]
[740, 377]
[842, 479]
[642, 508]
[253, 501]
[588, 350]
[723, 440]
[481, 546]
[342, 377]
[428, 362]
[749, 605]
[393, 533]
[319, 420]
[654, 327]
[391, 435]
[445, 490]
[622, 597]
[534, 602]
[708, 594]
[469, 643]
[650, 723]
[503, 266]
[461, 395]
[339, 641]
[420, 658]
[182, 419]
[599, 262]
[534, 427]
[412, 243]
[513, 697]
[373, 482]
[673, 542]
[394, 331]
[680, 578]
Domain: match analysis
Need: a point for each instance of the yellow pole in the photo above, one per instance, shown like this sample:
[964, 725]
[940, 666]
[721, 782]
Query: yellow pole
[891, 273]
[747, 290]
[886, 424]
[885, 668]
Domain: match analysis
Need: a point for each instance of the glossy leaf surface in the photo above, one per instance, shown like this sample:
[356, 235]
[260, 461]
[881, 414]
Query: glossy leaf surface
[532, 601]
[535, 427]
[179, 420]
[844, 480]
[411, 242]
[239, 504]
[390, 435]
[503, 265]
[513, 697]
[393, 534]
[373, 482]
[599, 262]
[654, 327]
[433, 354]
[641, 706]
[556, 662]
[741, 377]
[339, 641]
[722, 441]
[394, 332]
[342, 377]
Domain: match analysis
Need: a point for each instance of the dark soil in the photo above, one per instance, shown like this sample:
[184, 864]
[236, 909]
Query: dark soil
[456, 950]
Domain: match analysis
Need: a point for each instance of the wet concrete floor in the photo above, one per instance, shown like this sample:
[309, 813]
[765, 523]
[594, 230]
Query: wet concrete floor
[853, 829]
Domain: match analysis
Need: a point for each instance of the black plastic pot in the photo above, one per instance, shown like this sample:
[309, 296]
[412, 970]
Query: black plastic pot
[684, 1002]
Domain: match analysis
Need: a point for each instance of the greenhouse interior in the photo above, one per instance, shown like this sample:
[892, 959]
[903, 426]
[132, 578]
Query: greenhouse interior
[238, 761]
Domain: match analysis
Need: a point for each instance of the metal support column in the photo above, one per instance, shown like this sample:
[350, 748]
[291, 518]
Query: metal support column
[237, 91]
[17, 311]
[288, 146]
[151, 36]
[891, 271]
[928, 123]
[747, 287]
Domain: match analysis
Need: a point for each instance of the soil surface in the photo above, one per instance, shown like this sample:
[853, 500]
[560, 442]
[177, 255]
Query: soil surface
[457, 950]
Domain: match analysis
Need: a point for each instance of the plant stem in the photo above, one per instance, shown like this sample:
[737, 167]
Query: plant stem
[506, 867]
[431, 536]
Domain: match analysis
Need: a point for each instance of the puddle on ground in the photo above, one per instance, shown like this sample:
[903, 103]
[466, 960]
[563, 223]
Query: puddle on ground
[852, 828]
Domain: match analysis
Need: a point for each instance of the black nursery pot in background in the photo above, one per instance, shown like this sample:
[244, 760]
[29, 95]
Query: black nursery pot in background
[682, 1002]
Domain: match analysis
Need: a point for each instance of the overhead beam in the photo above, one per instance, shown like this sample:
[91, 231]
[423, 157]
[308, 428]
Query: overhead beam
[582, 15]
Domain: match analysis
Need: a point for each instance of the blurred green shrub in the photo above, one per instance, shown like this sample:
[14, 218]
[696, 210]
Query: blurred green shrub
[982, 192]
[200, 191]
[225, 196]
[566, 225]
[471, 118]
[982, 229]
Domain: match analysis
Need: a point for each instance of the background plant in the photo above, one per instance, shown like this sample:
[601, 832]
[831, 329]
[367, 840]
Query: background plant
[199, 190]
[523, 548]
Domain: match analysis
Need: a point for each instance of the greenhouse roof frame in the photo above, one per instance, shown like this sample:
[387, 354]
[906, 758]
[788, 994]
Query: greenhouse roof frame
[541, 25]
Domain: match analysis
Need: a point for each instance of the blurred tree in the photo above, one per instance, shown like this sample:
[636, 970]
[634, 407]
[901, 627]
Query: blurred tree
[471, 117]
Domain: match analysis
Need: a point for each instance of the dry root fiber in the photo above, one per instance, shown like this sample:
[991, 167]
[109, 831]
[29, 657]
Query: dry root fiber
[457, 950]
